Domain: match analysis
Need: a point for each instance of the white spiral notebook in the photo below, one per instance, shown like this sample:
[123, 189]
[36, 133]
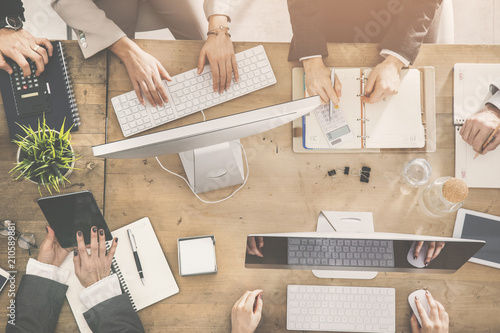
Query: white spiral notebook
[159, 280]
[471, 90]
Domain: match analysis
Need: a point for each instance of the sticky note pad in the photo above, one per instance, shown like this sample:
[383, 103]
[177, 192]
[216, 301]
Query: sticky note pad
[197, 255]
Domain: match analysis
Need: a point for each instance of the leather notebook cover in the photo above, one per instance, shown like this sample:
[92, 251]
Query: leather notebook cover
[61, 97]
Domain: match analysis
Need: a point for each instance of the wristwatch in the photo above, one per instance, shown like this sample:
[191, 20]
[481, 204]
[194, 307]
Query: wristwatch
[11, 22]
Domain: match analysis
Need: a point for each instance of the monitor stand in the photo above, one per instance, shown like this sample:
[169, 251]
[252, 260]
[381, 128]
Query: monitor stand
[345, 222]
[213, 167]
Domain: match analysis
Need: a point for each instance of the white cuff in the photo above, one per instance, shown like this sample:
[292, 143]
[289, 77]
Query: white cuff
[310, 57]
[51, 272]
[384, 53]
[101, 291]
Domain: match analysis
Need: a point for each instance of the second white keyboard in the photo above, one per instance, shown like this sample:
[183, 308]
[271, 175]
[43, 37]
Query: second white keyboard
[341, 309]
[189, 92]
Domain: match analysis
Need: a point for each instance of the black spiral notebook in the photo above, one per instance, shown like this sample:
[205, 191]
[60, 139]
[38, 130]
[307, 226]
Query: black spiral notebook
[54, 85]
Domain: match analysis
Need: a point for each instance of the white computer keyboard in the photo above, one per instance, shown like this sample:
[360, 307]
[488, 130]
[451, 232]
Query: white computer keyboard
[341, 309]
[189, 92]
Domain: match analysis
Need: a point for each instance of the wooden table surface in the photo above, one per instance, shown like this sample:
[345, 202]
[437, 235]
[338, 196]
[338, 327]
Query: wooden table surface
[284, 193]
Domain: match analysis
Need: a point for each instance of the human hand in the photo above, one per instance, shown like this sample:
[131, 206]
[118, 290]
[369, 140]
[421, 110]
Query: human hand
[438, 322]
[219, 51]
[254, 245]
[433, 250]
[478, 127]
[383, 80]
[246, 312]
[318, 81]
[145, 71]
[20, 45]
[93, 267]
[51, 251]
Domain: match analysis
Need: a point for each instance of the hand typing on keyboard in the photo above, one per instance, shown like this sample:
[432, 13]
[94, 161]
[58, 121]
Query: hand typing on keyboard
[21, 45]
[190, 92]
[220, 53]
[145, 72]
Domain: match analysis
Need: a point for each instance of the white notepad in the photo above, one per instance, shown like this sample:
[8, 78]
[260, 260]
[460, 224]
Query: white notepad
[159, 280]
[197, 256]
[395, 122]
[471, 90]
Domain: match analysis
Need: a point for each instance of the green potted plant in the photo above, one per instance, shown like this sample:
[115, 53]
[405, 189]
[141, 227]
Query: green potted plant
[45, 156]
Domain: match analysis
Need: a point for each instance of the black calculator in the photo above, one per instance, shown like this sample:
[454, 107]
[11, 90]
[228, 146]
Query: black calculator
[31, 93]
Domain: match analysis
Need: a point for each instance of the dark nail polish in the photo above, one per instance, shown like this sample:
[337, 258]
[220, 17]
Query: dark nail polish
[101, 232]
[116, 240]
[94, 229]
[75, 252]
[415, 257]
[427, 292]
[46, 229]
[426, 263]
[80, 233]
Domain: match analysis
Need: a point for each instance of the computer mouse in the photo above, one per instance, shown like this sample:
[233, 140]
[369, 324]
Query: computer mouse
[420, 261]
[423, 300]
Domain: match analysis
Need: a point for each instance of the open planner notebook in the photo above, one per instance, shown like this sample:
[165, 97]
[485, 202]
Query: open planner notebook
[471, 90]
[395, 122]
[159, 281]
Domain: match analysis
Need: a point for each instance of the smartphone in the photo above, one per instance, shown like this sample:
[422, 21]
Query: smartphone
[4, 277]
[69, 213]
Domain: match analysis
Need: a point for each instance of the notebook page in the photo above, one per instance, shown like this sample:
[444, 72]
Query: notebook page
[479, 172]
[396, 122]
[471, 88]
[349, 103]
[158, 278]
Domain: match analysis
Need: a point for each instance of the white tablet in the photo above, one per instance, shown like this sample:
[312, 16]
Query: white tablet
[474, 225]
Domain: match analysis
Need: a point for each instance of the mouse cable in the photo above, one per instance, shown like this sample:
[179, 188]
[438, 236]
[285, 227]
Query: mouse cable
[202, 200]
[205, 201]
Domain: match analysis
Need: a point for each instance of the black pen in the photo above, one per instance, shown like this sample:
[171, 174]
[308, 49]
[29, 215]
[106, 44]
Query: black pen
[136, 255]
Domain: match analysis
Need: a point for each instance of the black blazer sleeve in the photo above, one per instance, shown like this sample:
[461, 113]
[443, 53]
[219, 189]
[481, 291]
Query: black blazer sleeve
[308, 36]
[114, 315]
[37, 305]
[408, 32]
[11, 8]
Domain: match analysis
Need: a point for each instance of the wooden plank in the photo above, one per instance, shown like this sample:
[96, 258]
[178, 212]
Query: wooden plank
[286, 192]
[18, 198]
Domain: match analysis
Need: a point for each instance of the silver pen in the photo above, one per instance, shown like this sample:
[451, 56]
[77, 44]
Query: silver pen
[136, 255]
[332, 78]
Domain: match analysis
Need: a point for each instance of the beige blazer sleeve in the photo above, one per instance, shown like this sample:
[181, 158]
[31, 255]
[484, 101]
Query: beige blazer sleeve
[220, 7]
[84, 15]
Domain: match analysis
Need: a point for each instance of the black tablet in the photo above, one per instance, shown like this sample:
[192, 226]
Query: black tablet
[69, 213]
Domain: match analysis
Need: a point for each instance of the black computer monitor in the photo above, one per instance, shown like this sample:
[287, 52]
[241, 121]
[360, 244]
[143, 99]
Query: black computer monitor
[382, 252]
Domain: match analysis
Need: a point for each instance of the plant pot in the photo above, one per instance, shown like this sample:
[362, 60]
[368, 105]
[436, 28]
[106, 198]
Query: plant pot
[66, 174]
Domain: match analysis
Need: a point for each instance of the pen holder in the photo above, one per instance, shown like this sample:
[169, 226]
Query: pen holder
[445, 195]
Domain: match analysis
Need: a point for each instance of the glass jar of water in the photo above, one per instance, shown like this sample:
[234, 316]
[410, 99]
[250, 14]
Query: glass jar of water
[417, 172]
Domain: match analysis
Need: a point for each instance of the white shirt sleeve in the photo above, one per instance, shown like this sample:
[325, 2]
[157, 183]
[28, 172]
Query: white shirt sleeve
[384, 53]
[51, 272]
[310, 57]
[101, 291]
[218, 7]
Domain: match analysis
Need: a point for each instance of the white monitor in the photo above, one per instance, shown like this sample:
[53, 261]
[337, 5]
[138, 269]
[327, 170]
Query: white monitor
[209, 155]
[373, 251]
